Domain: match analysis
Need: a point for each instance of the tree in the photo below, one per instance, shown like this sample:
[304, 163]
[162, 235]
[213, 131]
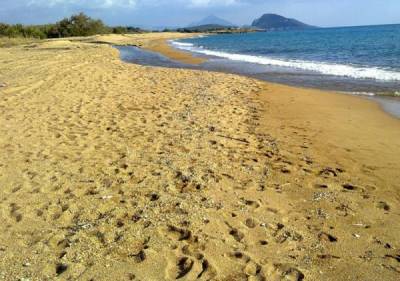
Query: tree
[77, 25]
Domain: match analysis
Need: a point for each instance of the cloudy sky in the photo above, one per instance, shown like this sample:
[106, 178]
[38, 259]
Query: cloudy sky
[155, 13]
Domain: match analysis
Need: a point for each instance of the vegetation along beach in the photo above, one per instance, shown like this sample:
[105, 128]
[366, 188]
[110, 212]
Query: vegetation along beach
[113, 170]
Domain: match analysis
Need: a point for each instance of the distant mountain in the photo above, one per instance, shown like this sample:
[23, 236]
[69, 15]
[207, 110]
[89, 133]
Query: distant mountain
[212, 20]
[277, 22]
[204, 28]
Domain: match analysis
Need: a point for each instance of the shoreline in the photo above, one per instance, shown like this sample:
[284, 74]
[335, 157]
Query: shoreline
[155, 42]
[163, 47]
[209, 176]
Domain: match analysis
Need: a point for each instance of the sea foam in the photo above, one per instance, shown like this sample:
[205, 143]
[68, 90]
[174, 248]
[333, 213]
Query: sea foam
[343, 70]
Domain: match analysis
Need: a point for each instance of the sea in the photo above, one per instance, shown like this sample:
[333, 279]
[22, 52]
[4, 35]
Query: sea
[361, 60]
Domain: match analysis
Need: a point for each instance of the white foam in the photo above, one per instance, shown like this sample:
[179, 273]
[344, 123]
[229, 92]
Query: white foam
[368, 94]
[318, 67]
[181, 44]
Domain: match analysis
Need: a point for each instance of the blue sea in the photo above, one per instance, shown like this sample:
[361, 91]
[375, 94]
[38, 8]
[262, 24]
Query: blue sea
[363, 60]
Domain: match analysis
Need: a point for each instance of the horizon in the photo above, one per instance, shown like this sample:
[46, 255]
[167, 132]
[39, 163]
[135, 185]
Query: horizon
[152, 14]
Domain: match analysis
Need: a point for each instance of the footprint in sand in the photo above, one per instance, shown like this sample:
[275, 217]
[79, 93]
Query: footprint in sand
[179, 233]
[350, 187]
[383, 205]
[251, 203]
[240, 256]
[251, 223]
[323, 236]
[189, 268]
[321, 185]
[139, 257]
[184, 265]
[61, 268]
[14, 212]
[285, 272]
[236, 234]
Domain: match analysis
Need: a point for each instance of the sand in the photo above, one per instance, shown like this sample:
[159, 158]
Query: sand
[117, 171]
[155, 42]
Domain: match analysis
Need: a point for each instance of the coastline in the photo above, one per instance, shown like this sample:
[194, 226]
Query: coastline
[389, 104]
[162, 47]
[155, 42]
[206, 175]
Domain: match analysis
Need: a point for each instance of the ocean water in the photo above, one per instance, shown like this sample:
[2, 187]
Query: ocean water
[361, 60]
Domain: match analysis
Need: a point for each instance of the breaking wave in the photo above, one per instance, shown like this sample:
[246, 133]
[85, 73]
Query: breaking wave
[343, 70]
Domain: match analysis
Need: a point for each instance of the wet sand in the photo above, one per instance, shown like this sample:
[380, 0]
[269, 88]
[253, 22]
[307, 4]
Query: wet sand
[156, 42]
[114, 170]
[162, 46]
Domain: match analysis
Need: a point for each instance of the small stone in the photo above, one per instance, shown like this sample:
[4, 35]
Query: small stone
[361, 225]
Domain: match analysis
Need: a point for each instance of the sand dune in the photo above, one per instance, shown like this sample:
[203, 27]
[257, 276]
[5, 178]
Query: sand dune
[111, 170]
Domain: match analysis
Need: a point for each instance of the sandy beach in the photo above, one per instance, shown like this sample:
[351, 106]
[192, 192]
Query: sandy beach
[115, 171]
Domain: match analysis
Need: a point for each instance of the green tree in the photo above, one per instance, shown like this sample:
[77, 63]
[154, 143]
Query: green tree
[78, 25]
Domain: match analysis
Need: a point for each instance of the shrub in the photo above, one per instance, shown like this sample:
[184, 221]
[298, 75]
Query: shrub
[76, 25]
[120, 30]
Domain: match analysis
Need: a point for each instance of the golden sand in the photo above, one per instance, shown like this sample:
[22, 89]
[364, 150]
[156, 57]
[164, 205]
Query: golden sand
[114, 171]
[156, 42]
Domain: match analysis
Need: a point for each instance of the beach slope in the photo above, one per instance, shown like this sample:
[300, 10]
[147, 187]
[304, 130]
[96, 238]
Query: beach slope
[110, 170]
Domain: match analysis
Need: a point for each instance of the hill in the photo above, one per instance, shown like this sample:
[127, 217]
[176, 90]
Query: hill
[203, 28]
[277, 22]
[212, 20]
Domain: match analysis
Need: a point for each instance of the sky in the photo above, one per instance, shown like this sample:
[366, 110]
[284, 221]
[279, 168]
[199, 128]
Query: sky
[174, 13]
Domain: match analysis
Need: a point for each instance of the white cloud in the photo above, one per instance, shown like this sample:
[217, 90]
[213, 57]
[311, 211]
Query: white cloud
[190, 3]
[99, 4]
[85, 3]
[208, 3]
